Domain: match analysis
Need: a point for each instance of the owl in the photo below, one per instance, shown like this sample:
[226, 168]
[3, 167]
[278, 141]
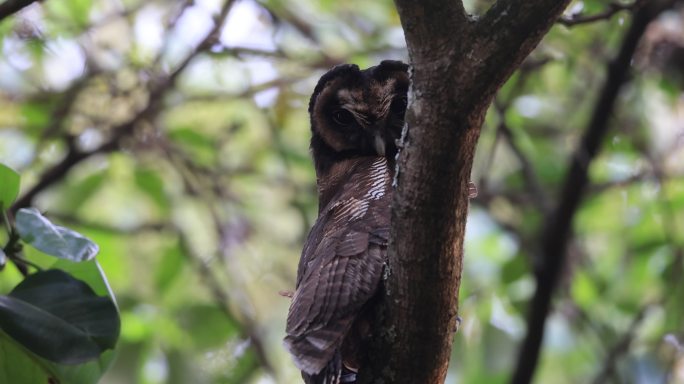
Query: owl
[356, 119]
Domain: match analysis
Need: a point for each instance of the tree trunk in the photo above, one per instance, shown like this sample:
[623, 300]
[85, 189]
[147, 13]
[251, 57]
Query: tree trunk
[458, 63]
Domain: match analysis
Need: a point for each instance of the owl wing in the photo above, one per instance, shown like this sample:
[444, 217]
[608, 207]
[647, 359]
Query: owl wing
[341, 266]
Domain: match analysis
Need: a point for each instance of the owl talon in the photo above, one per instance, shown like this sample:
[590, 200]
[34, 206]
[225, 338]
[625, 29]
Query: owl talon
[286, 293]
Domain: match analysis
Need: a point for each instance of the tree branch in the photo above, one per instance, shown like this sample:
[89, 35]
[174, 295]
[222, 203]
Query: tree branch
[10, 7]
[559, 224]
[507, 33]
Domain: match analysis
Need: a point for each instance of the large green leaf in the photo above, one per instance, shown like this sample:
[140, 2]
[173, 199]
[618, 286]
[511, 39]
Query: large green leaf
[19, 366]
[89, 272]
[59, 318]
[52, 239]
[87, 373]
[9, 186]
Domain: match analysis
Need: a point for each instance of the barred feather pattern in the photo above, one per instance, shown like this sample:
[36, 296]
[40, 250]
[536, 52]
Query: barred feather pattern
[339, 270]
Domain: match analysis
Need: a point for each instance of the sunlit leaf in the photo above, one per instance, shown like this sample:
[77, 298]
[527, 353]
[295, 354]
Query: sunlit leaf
[152, 185]
[76, 194]
[52, 239]
[201, 147]
[170, 267]
[17, 364]
[59, 318]
[74, 11]
[36, 115]
[584, 290]
[9, 186]
[86, 373]
[90, 272]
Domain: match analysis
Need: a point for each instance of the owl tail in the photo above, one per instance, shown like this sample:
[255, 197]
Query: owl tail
[333, 373]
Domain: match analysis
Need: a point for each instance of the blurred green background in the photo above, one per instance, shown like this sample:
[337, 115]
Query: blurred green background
[201, 204]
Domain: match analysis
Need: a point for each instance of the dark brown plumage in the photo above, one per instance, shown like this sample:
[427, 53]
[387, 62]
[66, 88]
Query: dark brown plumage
[356, 118]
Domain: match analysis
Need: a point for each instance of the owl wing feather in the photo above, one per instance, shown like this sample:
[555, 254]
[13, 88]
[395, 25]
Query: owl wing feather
[340, 267]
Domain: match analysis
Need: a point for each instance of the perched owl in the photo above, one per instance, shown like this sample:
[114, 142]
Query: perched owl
[356, 118]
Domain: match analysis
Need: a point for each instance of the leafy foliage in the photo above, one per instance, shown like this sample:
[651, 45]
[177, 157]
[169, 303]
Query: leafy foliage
[54, 326]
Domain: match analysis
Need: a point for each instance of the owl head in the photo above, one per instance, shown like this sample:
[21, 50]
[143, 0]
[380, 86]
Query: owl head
[357, 113]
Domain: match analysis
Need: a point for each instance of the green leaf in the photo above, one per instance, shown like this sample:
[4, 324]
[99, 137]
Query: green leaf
[18, 366]
[36, 114]
[88, 373]
[90, 272]
[584, 290]
[513, 269]
[52, 239]
[151, 183]
[9, 186]
[75, 195]
[169, 268]
[75, 12]
[59, 318]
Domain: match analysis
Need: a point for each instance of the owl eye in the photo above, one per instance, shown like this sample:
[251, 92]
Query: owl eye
[342, 117]
[398, 106]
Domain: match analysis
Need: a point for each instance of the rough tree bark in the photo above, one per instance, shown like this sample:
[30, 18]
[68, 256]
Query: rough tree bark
[458, 63]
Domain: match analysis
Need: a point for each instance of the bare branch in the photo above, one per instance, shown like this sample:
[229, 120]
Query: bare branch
[559, 224]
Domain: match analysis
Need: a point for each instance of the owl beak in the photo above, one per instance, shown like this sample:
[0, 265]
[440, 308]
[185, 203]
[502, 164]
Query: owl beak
[379, 144]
